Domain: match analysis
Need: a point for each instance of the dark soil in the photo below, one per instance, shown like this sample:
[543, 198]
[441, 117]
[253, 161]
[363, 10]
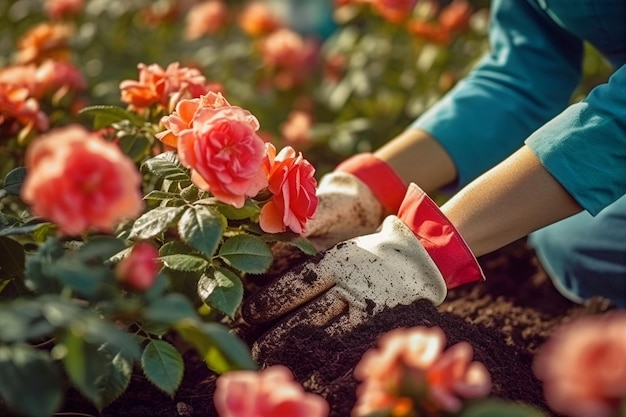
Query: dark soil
[505, 319]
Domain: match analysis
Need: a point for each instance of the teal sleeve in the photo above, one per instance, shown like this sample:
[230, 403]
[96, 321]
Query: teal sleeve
[584, 147]
[527, 78]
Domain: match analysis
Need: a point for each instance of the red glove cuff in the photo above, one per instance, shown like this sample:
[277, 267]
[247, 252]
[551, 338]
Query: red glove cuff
[442, 241]
[381, 179]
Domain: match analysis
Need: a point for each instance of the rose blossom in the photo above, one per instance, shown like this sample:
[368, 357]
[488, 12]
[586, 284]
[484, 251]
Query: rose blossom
[162, 86]
[271, 392]
[183, 115]
[224, 153]
[57, 9]
[295, 130]
[79, 181]
[139, 269]
[583, 366]
[18, 110]
[205, 19]
[257, 19]
[44, 41]
[293, 186]
[413, 361]
[395, 11]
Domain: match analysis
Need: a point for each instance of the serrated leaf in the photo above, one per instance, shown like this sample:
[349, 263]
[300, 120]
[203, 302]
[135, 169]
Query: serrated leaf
[247, 253]
[221, 350]
[100, 248]
[166, 166]
[136, 147]
[292, 239]
[222, 290]
[19, 391]
[170, 309]
[249, 210]
[182, 262]
[154, 222]
[105, 115]
[163, 366]
[202, 228]
[175, 247]
[13, 180]
[24, 229]
[116, 381]
[160, 195]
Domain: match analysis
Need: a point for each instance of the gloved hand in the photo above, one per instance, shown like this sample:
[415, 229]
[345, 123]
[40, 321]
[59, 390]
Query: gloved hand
[353, 200]
[417, 254]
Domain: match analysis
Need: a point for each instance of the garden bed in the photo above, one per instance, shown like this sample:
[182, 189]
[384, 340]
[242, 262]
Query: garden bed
[506, 319]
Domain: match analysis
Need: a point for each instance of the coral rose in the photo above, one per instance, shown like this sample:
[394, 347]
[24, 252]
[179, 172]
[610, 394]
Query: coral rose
[271, 392]
[583, 366]
[183, 115]
[395, 11]
[205, 19]
[44, 41]
[293, 185]
[58, 9]
[295, 130]
[224, 153]
[19, 111]
[257, 19]
[79, 181]
[410, 370]
[139, 269]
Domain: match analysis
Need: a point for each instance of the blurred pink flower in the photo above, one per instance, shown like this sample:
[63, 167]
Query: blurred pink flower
[295, 130]
[44, 41]
[205, 18]
[224, 153]
[51, 76]
[583, 366]
[182, 117]
[165, 87]
[58, 9]
[18, 111]
[257, 19]
[395, 11]
[139, 269]
[411, 369]
[271, 392]
[292, 183]
[79, 181]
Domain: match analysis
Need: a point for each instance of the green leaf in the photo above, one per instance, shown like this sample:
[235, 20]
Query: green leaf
[182, 262]
[105, 116]
[160, 195]
[24, 229]
[221, 350]
[13, 180]
[155, 221]
[202, 228]
[163, 366]
[247, 253]
[175, 247]
[30, 382]
[292, 239]
[100, 249]
[135, 146]
[85, 279]
[499, 408]
[166, 166]
[115, 382]
[249, 210]
[22, 321]
[38, 264]
[223, 291]
[170, 309]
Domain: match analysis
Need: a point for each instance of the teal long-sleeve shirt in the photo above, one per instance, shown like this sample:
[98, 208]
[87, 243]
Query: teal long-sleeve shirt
[520, 92]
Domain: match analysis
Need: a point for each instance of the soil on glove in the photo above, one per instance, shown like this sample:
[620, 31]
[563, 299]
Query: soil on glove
[506, 319]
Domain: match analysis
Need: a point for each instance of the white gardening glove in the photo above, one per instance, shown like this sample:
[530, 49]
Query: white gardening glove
[353, 200]
[346, 208]
[350, 282]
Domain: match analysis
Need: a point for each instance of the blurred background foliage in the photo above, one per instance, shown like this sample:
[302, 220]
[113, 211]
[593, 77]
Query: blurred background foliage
[361, 78]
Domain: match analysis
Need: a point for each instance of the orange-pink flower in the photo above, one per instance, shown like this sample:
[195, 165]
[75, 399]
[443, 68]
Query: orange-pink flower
[410, 370]
[296, 129]
[18, 110]
[583, 366]
[293, 185]
[395, 11]
[271, 392]
[58, 9]
[139, 269]
[257, 19]
[224, 153]
[165, 87]
[81, 182]
[205, 18]
[183, 115]
[44, 41]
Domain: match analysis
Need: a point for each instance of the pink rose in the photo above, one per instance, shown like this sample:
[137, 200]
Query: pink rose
[583, 366]
[411, 365]
[19, 111]
[269, 393]
[205, 19]
[182, 117]
[295, 130]
[80, 181]
[165, 87]
[224, 153]
[293, 185]
[139, 269]
[58, 9]
[395, 11]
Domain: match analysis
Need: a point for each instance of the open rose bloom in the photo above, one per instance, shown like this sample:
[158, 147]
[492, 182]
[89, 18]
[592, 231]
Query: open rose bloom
[583, 367]
[410, 373]
[269, 393]
[81, 182]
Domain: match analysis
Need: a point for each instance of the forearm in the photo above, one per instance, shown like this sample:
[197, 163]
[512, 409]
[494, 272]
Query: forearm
[513, 199]
[416, 157]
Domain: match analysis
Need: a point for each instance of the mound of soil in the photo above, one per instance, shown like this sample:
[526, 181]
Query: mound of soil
[506, 319]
